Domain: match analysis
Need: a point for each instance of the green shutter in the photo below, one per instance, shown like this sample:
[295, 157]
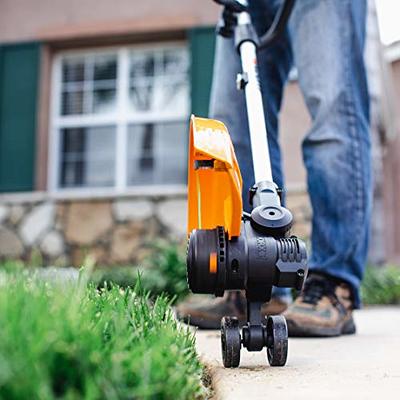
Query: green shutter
[202, 43]
[19, 71]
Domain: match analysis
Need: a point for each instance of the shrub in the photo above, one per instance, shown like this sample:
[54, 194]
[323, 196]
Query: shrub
[163, 272]
[381, 285]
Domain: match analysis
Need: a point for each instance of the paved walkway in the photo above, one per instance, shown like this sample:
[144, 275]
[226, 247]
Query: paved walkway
[363, 366]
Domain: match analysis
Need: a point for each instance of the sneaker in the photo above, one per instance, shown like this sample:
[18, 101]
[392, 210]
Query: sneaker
[206, 312]
[323, 309]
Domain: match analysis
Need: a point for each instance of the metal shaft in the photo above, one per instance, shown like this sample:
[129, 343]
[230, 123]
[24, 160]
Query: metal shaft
[255, 109]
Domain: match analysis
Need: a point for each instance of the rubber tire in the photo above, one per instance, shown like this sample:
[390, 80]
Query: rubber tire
[230, 342]
[277, 339]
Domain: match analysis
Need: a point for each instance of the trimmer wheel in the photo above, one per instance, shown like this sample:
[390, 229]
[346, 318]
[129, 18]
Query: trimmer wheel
[230, 342]
[277, 341]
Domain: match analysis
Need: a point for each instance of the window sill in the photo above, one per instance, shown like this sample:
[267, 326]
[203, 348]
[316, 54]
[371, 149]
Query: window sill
[173, 191]
[164, 191]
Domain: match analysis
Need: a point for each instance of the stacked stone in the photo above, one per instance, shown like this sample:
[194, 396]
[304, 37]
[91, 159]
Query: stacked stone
[299, 204]
[110, 231]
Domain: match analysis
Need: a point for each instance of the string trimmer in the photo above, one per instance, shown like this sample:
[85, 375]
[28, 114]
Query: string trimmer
[230, 249]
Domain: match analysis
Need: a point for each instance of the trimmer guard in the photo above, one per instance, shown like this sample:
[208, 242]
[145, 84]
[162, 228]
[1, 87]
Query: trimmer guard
[214, 179]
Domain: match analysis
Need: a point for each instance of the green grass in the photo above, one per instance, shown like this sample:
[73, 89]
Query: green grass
[75, 341]
[381, 285]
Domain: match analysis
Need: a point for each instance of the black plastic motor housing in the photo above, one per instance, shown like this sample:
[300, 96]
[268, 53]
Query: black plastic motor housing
[253, 261]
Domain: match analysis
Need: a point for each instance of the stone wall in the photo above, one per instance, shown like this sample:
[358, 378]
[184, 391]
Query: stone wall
[112, 231]
[299, 204]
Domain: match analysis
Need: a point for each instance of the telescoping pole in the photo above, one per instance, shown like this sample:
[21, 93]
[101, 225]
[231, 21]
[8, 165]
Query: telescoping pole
[255, 109]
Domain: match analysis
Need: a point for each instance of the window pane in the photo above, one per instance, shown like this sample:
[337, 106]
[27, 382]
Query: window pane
[142, 64]
[104, 100]
[87, 157]
[72, 102]
[105, 68]
[104, 93]
[159, 82]
[142, 97]
[175, 62]
[157, 153]
[73, 70]
[173, 96]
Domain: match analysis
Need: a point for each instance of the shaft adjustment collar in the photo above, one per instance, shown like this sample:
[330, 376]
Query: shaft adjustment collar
[273, 220]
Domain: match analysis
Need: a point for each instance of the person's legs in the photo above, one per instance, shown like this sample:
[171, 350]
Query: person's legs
[328, 42]
[227, 104]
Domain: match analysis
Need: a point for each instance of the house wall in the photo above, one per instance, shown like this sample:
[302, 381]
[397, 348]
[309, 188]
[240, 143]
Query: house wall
[63, 230]
[391, 176]
[50, 20]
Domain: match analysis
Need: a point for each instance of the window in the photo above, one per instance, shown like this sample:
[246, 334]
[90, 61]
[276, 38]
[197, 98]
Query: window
[120, 118]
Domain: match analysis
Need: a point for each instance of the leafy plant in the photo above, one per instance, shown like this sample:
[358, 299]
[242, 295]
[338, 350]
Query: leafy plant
[76, 341]
[164, 272]
[381, 285]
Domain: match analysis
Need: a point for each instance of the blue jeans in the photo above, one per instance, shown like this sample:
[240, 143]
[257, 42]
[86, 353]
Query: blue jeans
[325, 40]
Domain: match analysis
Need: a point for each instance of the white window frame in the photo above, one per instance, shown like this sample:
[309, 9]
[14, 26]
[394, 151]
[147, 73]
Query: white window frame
[121, 119]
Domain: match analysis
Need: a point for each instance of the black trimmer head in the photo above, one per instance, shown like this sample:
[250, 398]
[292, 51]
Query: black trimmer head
[262, 256]
[216, 264]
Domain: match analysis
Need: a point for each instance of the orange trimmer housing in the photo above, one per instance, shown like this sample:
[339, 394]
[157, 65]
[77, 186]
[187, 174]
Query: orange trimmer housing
[214, 179]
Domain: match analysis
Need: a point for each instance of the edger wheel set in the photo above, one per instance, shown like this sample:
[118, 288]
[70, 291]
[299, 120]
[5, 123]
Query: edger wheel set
[276, 337]
[229, 249]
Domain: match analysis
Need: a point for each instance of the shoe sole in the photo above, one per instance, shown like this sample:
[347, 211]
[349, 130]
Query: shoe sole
[348, 328]
[208, 324]
[205, 324]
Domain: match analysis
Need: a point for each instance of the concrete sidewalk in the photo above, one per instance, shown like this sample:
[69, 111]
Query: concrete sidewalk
[362, 366]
